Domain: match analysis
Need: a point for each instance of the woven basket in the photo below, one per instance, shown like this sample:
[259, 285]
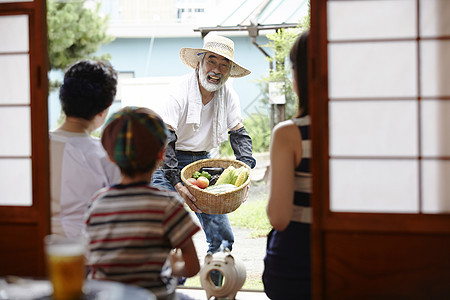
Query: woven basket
[210, 203]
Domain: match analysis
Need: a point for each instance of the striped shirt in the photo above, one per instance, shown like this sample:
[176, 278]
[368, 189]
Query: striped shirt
[131, 230]
[303, 181]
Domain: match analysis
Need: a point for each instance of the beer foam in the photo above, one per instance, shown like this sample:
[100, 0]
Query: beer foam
[66, 249]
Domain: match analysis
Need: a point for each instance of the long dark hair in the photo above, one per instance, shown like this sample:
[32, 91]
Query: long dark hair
[299, 62]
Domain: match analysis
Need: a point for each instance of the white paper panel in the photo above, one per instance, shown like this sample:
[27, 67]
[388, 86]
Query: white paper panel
[374, 186]
[348, 20]
[14, 33]
[435, 121]
[435, 67]
[373, 128]
[15, 132]
[384, 69]
[436, 187]
[16, 183]
[14, 79]
[435, 18]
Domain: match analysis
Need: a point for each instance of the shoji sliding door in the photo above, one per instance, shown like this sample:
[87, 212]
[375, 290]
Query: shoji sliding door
[24, 174]
[381, 142]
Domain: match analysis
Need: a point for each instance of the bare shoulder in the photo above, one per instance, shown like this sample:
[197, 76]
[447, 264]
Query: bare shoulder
[286, 129]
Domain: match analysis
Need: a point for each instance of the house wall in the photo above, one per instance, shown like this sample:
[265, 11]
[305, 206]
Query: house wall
[162, 59]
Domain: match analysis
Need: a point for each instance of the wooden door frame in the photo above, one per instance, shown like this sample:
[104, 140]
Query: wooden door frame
[34, 219]
[319, 120]
[325, 221]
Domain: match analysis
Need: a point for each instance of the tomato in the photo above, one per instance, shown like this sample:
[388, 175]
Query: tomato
[202, 182]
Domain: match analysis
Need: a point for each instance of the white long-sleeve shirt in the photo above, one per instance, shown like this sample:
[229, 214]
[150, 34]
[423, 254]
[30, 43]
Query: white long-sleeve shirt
[192, 121]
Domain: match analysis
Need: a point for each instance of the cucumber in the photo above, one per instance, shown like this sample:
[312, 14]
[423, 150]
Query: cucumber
[220, 188]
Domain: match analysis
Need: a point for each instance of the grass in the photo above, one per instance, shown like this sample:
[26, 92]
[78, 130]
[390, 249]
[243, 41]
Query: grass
[251, 215]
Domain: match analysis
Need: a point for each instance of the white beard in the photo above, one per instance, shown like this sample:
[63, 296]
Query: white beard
[210, 87]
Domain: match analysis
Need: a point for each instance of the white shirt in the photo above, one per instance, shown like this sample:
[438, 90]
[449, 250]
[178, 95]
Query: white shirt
[79, 167]
[181, 110]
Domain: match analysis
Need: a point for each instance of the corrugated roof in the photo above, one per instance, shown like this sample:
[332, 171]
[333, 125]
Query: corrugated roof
[266, 12]
[284, 11]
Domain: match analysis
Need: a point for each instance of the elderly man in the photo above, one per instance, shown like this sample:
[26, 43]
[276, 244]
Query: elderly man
[201, 109]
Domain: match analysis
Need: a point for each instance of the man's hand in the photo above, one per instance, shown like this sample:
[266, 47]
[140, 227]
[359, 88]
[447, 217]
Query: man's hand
[189, 199]
[247, 189]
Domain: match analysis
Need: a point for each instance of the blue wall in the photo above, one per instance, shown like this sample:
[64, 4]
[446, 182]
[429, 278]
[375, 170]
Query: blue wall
[134, 55]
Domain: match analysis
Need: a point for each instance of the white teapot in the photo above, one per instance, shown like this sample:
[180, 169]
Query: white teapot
[222, 275]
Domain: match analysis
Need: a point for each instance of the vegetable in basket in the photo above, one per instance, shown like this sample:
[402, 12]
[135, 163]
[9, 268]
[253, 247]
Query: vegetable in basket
[221, 188]
[241, 177]
[214, 179]
[212, 170]
[202, 182]
[205, 174]
[225, 177]
[231, 175]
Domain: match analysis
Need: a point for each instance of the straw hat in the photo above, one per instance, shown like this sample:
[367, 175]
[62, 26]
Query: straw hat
[217, 44]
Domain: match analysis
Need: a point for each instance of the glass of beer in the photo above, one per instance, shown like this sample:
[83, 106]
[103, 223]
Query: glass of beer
[66, 266]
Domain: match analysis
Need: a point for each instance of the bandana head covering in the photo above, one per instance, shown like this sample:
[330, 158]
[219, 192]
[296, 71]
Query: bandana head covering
[133, 137]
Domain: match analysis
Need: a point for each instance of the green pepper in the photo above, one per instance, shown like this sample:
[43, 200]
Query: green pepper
[206, 174]
[196, 174]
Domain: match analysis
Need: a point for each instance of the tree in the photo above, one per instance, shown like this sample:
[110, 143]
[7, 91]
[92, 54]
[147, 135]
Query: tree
[280, 43]
[75, 31]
